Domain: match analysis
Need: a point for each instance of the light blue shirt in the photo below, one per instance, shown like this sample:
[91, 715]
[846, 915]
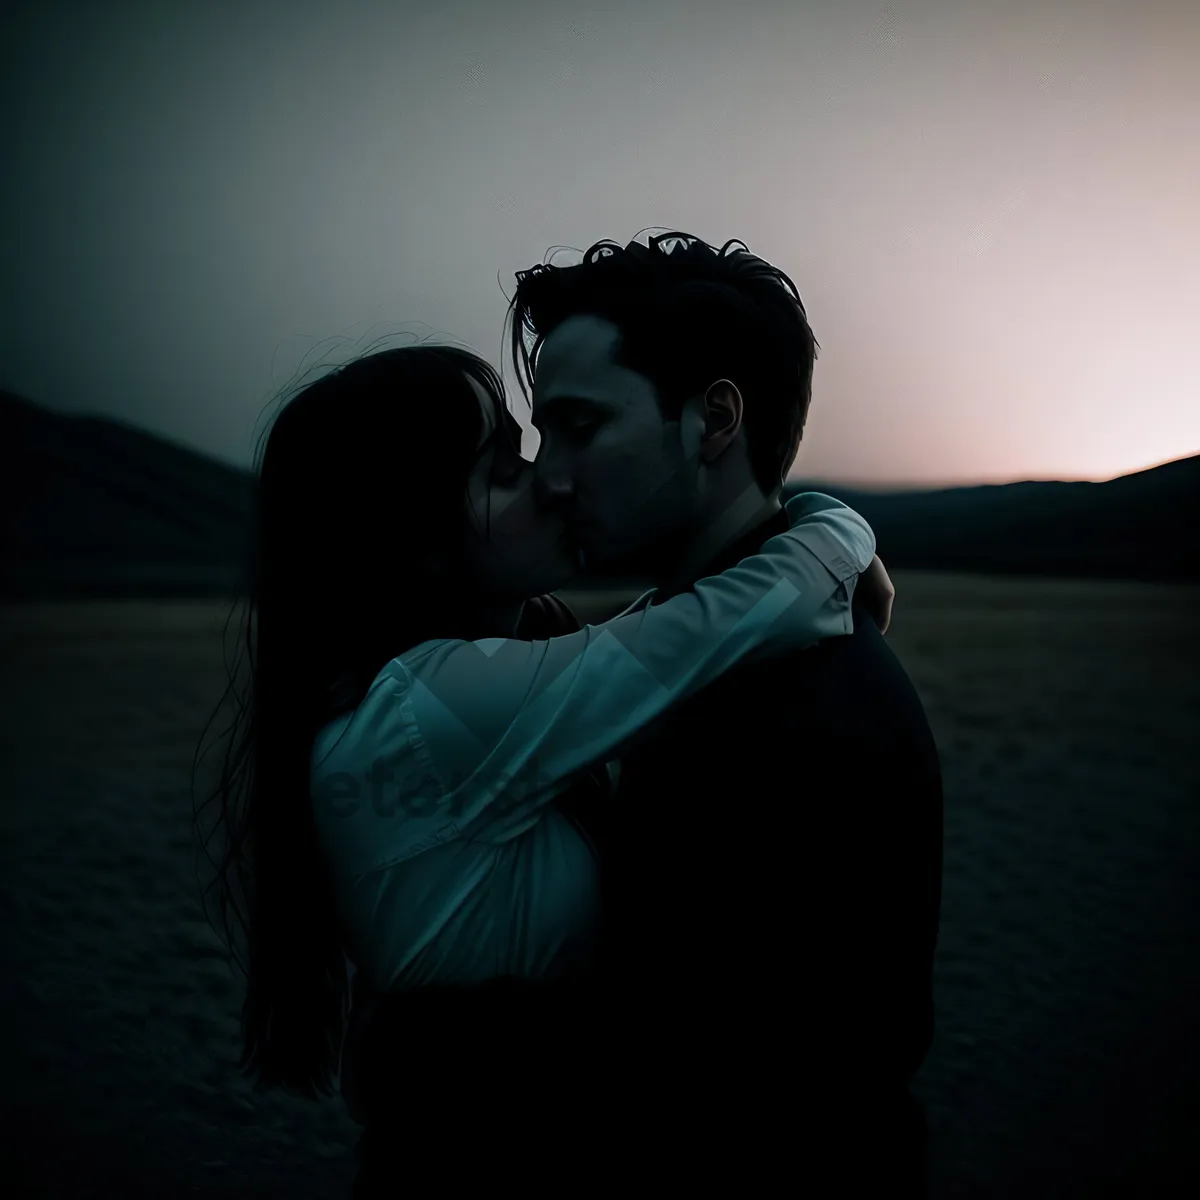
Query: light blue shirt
[433, 797]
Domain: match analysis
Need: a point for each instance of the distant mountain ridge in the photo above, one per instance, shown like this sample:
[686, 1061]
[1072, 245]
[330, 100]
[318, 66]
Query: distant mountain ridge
[95, 507]
[1141, 526]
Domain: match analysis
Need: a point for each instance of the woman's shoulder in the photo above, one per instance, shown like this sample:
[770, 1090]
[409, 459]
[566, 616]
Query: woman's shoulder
[341, 738]
[432, 692]
[541, 618]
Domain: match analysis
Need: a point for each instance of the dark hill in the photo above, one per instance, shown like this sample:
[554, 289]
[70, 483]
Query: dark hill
[1142, 526]
[99, 508]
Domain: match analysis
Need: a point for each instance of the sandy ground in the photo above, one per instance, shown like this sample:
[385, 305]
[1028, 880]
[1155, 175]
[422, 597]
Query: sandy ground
[1068, 981]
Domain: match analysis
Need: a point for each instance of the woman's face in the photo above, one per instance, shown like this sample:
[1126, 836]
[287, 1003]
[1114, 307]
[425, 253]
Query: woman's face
[519, 549]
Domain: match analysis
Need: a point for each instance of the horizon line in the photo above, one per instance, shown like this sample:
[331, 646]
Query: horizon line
[925, 485]
[896, 485]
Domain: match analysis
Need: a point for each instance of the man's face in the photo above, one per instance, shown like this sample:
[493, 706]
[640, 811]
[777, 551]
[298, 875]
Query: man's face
[624, 479]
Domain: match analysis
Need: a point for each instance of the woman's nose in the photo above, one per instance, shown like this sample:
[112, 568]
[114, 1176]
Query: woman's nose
[553, 489]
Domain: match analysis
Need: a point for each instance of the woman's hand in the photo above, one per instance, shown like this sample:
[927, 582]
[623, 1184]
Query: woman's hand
[876, 593]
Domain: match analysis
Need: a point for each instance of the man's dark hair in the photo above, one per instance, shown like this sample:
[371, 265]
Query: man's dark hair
[688, 314]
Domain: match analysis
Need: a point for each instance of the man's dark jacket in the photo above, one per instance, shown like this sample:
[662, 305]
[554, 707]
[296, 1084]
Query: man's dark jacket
[772, 878]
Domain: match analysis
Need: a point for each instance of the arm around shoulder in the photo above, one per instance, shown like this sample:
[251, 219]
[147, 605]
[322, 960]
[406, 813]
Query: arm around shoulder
[528, 716]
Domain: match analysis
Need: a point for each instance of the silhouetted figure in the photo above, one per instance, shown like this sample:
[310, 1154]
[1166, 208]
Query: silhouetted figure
[771, 892]
[772, 874]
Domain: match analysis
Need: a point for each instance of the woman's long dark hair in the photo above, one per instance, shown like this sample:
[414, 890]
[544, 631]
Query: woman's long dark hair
[364, 474]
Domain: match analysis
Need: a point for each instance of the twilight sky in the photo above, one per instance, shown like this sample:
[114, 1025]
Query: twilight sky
[990, 207]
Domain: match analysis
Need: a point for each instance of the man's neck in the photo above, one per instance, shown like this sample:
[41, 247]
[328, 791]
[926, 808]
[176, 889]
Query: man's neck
[738, 531]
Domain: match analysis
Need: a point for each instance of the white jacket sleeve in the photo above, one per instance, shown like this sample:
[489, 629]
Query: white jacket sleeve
[488, 731]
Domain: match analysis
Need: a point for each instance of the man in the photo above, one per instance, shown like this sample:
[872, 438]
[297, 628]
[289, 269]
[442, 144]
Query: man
[772, 872]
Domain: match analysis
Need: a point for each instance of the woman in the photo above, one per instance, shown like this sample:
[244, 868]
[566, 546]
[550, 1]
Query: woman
[388, 797]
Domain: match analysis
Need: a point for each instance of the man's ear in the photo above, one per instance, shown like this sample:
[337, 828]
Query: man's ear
[722, 419]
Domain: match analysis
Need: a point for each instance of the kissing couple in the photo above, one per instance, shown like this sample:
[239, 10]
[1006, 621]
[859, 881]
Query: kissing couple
[561, 899]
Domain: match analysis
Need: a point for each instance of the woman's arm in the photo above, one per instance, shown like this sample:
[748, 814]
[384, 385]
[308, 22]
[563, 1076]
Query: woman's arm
[515, 719]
